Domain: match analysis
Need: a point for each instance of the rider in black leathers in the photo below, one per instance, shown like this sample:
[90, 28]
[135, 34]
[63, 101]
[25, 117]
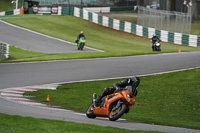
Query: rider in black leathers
[131, 83]
[79, 36]
[153, 40]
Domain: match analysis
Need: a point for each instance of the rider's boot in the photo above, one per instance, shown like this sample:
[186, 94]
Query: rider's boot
[98, 100]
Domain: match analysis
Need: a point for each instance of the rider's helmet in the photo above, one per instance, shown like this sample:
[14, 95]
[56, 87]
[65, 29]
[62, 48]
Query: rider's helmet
[134, 81]
[81, 32]
[154, 35]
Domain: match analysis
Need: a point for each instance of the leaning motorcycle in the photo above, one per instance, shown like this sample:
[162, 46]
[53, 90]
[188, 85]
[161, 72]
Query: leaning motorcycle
[112, 106]
[81, 43]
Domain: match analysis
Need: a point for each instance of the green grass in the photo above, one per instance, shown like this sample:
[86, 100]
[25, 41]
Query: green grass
[169, 99]
[195, 28]
[17, 124]
[114, 43]
[6, 5]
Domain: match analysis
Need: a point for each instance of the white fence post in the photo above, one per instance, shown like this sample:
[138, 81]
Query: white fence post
[4, 50]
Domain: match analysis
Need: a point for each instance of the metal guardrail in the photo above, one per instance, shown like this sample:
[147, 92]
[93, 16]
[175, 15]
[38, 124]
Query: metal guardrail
[4, 50]
[165, 20]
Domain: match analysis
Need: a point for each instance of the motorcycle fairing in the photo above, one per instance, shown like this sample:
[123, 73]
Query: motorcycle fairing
[121, 95]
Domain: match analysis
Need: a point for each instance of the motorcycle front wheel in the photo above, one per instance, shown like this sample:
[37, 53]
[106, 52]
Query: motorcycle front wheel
[117, 113]
[90, 113]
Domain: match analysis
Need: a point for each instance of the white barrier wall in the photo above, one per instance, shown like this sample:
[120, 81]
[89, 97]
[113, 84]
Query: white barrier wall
[177, 38]
[164, 36]
[85, 14]
[151, 32]
[127, 27]
[139, 30]
[116, 24]
[95, 18]
[76, 12]
[2, 13]
[105, 21]
[16, 12]
[192, 40]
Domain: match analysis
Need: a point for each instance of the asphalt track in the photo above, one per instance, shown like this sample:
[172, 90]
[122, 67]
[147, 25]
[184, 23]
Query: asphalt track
[37, 42]
[39, 73]
[18, 75]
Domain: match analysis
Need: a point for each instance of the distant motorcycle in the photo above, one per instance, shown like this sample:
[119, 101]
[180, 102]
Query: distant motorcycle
[112, 106]
[81, 43]
[156, 46]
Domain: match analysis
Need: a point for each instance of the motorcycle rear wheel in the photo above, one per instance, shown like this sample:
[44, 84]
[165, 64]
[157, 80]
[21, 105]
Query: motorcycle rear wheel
[90, 113]
[116, 114]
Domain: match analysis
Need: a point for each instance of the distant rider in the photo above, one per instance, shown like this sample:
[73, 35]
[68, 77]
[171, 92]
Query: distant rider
[130, 84]
[153, 40]
[79, 36]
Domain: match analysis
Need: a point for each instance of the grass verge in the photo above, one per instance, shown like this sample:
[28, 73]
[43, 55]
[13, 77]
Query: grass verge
[114, 43]
[17, 124]
[169, 99]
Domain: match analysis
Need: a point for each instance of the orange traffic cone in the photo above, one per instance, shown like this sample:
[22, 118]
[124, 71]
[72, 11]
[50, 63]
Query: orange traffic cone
[48, 99]
[179, 50]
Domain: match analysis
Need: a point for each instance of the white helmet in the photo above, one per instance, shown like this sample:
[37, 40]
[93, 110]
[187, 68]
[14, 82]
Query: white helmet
[81, 32]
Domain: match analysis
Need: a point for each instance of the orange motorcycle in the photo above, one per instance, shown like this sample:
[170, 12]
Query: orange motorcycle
[112, 106]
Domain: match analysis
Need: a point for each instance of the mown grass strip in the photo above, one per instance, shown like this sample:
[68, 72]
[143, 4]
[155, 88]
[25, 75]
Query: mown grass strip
[168, 99]
[18, 124]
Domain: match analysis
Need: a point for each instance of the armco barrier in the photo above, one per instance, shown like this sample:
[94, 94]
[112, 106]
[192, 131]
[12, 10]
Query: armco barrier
[4, 50]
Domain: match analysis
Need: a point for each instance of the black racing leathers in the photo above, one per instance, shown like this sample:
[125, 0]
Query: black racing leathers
[79, 36]
[154, 39]
[125, 84]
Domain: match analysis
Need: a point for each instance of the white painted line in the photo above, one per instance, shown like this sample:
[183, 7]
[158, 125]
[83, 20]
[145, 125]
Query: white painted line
[80, 114]
[9, 91]
[45, 106]
[105, 118]
[6, 94]
[23, 89]
[31, 103]
[15, 98]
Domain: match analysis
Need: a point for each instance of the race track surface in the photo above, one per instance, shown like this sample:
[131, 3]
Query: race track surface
[39, 73]
[36, 42]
